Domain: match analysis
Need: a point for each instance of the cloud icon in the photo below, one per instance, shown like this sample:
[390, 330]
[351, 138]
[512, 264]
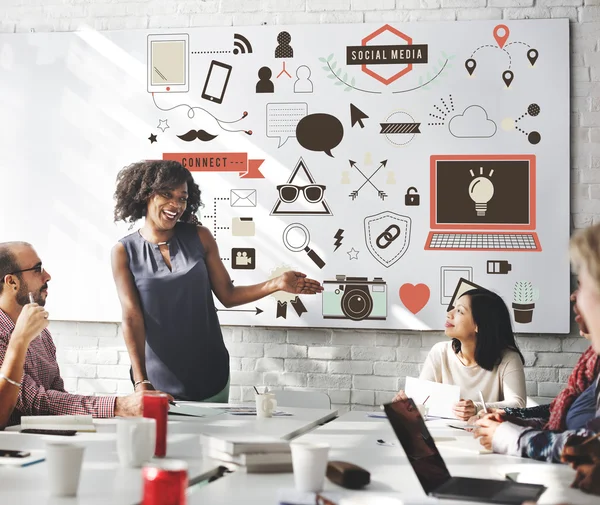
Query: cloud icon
[472, 123]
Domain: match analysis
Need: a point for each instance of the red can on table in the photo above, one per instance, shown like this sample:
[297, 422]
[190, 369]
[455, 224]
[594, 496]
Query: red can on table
[156, 406]
[165, 483]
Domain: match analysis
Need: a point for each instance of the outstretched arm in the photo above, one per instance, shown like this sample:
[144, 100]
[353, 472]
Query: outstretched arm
[231, 296]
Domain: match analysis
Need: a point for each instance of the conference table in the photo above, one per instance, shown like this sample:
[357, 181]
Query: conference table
[354, 437]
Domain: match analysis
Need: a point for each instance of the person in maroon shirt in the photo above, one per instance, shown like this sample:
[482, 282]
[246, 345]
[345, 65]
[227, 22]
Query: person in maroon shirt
[40, 389]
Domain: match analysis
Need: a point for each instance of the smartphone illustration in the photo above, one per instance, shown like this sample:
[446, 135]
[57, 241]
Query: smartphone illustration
[168, 63]
[6, 453]
[216, 81]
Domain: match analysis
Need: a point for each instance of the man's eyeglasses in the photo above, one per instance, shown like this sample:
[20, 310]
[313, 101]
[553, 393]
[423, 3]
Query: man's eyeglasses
[312, 192]
[38, 269]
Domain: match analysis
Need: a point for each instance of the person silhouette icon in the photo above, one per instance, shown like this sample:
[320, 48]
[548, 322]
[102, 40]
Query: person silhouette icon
[303, 84]
[284, 50]
[265, 85]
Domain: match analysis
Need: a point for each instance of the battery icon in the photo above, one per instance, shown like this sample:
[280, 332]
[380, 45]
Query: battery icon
[498, 267]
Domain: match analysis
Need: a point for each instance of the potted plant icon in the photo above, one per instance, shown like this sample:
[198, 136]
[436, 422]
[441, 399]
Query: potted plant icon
[524, 296]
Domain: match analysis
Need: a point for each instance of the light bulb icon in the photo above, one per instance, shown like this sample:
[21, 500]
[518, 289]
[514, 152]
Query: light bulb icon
[481, 191]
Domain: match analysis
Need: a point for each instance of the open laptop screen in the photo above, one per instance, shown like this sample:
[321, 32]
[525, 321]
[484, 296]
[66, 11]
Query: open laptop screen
[418, 444]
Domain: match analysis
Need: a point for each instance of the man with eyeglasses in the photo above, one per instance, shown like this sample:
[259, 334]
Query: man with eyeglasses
[36, 383]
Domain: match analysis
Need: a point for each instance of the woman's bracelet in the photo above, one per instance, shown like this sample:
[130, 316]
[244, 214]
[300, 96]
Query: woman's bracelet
[14, 383]
[137, 383]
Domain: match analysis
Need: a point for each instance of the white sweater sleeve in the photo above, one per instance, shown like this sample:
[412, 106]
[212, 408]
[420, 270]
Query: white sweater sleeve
[513, 382]
[432, 368]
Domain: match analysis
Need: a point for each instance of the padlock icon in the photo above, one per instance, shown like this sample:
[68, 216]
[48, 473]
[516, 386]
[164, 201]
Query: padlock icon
[412, 199]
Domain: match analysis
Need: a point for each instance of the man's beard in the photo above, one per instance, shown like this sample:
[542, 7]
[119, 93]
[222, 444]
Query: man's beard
[23, 296]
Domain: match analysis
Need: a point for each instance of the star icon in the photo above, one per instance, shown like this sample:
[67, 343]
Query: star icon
[162, 124]
[152, 138]
[353, 254]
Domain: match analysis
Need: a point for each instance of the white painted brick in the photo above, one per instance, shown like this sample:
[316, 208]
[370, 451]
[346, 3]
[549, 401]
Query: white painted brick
[353, 338]
[87, 371]
[283, 5]
[594, 134]
[188, 7]
[541, 374]
[510, 3]
[382, 397]
[124, 387]
[433, 15]
[177, 21]
[332, 381]
[582, 221]
[396, 369]
[362, 397]
[411, 355]
[97, 329]
[478, 14]
[580, 74]
[397, 16]
[105, 386]
[285, 351]
[341, 17]
[538, 400]
[411, 341]
[589, 14]
[298, 18]
[245, 350]
[562, 359]
[527, 13]
[386, 340]
[62, 328]
[428, 4]
[113, 371]
[327, 5]
[7, 27]
[591, 176]
[329, 353]
[254, 19]
[362, 408]
[531, 388]
[550, 388]
[594, 191]
[305, 365]
[68, 357]
[247, 378]
[575, 344]
[309, 337]
[235, 364]
[248, 364]
[453, 4]
[339, 396]
[231, 334]
[564, 374]
[373, 382]
[235, 394]
[240, 5]
[341, 408]
[533, 343]
[571, 13]
[372, 5]
[373, 353]
[70, 384]
[263, 335]
[559, 3]
[124, 358]
[429, 340]
[351, 367]
[74, 342]
[269, 365]
[99, 357]
[590, 118]
[285, 379]
[530, 358]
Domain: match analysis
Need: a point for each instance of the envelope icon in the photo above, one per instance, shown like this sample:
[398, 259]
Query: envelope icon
[242, 198]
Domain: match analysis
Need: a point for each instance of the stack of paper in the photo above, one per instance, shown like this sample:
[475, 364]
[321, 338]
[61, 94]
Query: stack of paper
[253, 454]
[77, 423]
[440, 398]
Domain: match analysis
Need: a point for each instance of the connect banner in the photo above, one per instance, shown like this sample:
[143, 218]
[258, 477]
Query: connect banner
[219, 162]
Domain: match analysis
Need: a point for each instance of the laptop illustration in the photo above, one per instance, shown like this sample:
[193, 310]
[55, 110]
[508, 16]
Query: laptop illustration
[423, 455]
[483, 202]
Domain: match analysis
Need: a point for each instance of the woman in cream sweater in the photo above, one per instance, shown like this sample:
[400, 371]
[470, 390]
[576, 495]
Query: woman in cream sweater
[482, 355]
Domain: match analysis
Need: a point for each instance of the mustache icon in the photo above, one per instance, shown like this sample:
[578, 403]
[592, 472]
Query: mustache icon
[202, 135]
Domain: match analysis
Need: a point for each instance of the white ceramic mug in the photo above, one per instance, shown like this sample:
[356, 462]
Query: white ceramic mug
[64, 467]
[265, 405]
[310, 464]
[136, 440]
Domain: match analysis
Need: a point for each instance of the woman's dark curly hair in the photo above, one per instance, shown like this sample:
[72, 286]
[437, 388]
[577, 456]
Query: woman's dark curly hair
[139, 181]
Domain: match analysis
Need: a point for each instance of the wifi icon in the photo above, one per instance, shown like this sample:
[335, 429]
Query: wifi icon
[241, 44]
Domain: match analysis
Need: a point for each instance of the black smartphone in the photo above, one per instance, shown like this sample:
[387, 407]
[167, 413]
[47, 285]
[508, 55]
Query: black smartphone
[216, 81]
[7, 453]
[64, 433]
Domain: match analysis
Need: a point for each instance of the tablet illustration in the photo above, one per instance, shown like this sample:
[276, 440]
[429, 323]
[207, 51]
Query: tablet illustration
[168, 63]
[216, 81]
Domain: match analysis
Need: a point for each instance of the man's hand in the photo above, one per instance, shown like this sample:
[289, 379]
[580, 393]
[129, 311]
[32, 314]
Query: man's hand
[576, 452]
[401, 395]
[486, 427]
[588, 479]
[297, 283]
[32, 320]
[464, 409]
[132, 405]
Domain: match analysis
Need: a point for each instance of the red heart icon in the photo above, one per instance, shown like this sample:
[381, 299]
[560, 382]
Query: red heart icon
[414, 297]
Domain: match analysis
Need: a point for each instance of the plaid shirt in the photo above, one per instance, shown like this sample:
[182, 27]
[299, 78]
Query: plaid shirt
[43, 390]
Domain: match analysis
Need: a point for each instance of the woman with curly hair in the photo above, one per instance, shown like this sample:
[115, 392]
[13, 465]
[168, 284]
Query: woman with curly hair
[165, 274]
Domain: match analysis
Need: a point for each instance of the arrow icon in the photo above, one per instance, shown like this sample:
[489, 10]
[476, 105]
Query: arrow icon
[256, 310]
[380, 193]
[357, 115]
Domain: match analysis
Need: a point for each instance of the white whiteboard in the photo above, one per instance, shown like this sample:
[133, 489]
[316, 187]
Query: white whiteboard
[77, 107]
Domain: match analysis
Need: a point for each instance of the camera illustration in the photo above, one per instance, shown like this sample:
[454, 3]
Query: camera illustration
[243, 258]
[355, 298]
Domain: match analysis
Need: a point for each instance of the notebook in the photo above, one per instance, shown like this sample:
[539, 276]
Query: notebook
[242, 444]
[83, 423]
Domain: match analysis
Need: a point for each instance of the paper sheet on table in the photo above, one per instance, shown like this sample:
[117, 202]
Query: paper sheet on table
[194, 410]
[442, 397]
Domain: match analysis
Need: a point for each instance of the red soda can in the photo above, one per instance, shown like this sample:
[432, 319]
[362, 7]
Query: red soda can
[156, 406]
[165, 483]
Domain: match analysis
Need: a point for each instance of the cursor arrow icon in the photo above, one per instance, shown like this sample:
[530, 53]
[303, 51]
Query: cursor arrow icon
[357, 115]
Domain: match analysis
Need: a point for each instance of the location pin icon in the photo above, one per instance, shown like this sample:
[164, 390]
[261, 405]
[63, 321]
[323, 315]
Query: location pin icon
[532, 56]
[507, 77]
[470, 65]
[501, 33]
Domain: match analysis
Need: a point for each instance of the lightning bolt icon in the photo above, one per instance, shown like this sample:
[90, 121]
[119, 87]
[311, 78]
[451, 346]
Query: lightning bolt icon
[338, 239]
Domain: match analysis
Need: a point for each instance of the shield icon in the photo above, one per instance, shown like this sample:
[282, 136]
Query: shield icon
[387, 236]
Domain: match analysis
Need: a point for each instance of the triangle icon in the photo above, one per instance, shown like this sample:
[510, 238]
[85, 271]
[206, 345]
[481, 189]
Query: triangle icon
[300, 177]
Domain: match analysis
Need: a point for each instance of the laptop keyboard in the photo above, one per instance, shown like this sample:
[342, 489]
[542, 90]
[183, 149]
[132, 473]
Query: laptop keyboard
[481, 241]
[463, 486]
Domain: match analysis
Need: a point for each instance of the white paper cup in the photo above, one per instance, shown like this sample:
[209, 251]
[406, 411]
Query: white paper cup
[136, 440]
[310, 464]
[64, 467]
[265, 404]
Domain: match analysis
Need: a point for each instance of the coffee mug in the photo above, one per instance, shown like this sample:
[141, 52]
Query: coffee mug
[136, 440]
[265, 404]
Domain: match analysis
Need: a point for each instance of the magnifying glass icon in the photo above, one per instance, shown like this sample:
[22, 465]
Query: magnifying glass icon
[296, 238]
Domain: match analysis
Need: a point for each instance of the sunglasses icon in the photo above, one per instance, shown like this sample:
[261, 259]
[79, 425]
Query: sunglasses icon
[313, 193]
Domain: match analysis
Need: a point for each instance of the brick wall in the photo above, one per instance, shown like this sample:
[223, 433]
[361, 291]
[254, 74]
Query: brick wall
[358, 370]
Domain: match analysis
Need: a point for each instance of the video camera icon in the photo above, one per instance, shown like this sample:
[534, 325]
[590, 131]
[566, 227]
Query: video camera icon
[243, 258]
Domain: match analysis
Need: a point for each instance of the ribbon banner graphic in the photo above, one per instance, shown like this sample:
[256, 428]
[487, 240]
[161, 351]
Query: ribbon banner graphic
[219, 162]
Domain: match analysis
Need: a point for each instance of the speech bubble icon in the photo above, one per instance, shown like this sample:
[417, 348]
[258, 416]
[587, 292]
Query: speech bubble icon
[320, 132]
[282, 119]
